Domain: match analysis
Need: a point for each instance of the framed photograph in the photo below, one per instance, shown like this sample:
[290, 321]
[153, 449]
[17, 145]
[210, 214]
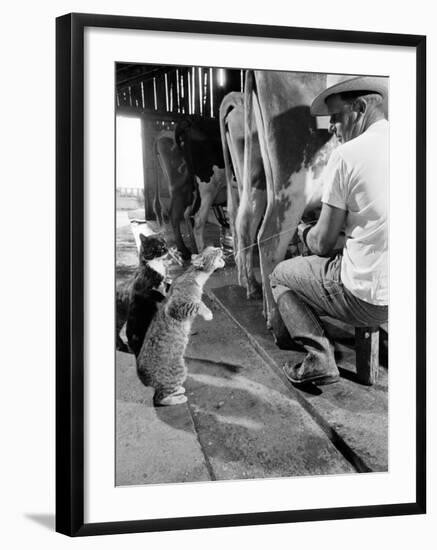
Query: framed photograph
[240, 274]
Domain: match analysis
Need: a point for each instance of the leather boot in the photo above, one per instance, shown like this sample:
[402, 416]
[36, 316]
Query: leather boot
[281, 335]
[319, 365]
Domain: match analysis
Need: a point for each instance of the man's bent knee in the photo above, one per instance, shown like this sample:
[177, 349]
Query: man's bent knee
[278, 291]
[284, 275]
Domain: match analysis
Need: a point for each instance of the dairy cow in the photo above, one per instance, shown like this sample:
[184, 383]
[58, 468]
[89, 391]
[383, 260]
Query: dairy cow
[192, 160]
[294, 154]
[200, 143]
[181, 188]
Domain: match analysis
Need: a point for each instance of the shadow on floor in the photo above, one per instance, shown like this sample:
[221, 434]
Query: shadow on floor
[46, 520]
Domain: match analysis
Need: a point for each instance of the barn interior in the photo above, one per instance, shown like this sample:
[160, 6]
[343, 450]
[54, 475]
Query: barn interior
[243, 419]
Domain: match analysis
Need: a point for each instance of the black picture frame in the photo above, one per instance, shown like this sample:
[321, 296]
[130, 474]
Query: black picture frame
[70, 273]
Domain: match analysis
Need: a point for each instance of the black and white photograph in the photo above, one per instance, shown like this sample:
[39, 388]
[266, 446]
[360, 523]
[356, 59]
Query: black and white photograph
[251, 273]
[240, 274]
[217, 295]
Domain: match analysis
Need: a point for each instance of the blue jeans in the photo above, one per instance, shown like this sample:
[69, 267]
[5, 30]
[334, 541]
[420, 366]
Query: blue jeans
[313, 287]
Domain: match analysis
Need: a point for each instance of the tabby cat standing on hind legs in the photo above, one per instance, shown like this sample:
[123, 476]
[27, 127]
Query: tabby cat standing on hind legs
[160, 363]
[137, 298]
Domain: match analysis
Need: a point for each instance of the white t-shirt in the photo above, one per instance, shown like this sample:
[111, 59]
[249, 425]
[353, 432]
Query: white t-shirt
[356, 179]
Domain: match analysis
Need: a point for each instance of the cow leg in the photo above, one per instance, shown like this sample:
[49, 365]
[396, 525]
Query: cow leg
[188, 222]
[249, 216]
[258, 206]
[232, 191]
[176, 215]
[233, 203]
[232, 208]
[207, 193]
[285, 206]
[233, 177]
[251, 209]
[273, 242]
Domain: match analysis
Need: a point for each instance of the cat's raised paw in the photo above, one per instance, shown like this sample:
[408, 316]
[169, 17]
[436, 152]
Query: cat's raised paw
[207, 315]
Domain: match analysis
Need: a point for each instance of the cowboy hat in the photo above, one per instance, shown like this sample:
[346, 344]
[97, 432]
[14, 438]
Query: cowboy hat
[369, 84]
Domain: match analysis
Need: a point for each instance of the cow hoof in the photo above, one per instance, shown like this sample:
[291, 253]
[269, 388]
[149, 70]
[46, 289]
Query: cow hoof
[255, 294]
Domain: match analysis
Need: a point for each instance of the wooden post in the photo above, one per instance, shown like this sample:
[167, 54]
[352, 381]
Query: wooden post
[184, 90]
[149, 170]
[178, 93]
[155, 95]
[171, 97]
[143, 100]
[193, 90]
[367, 354]
[199, 82]
[166, 93]
[190, 102]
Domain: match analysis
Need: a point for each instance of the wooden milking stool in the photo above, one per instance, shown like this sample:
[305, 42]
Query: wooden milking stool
[367, 354]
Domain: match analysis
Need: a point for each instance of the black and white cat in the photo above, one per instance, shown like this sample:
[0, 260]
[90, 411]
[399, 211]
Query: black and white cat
[137, 298]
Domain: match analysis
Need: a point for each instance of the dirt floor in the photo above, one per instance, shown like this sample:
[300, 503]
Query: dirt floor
[243, 419]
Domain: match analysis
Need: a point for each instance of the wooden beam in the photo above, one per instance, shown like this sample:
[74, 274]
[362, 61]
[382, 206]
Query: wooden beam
[178, 93]
[199, 74]
[367, 354]
[190, 103]
[166, 92]
[211, 93]
[155, 95]
[143, 100]
[151, 114]
[142, 76]
[193, 90]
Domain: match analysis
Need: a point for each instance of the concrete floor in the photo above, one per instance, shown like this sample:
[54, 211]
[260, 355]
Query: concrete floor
[243, 419]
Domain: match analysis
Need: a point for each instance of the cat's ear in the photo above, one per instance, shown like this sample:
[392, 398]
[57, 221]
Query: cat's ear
[197, 260]
[143, 238]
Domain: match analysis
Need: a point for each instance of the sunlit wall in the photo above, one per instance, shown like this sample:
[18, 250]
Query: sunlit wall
[129, 156]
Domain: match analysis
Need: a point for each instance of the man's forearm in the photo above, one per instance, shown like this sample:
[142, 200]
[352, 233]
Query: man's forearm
[322, 238]
[319, 245]
[312, 240]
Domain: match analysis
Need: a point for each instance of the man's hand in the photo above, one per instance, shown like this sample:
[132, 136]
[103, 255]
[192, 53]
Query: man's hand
[322, 238]
[301, 230]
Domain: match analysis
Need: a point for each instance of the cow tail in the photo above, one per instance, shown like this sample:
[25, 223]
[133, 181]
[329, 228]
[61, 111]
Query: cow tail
[225, 107]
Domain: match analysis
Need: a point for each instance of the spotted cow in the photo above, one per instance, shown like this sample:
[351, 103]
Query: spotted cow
[192, 160]
[294, 154]
[181, 189]
[199, 141]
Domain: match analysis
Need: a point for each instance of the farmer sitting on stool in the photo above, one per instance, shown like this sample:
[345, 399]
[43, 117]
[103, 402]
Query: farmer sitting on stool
[351, 286]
